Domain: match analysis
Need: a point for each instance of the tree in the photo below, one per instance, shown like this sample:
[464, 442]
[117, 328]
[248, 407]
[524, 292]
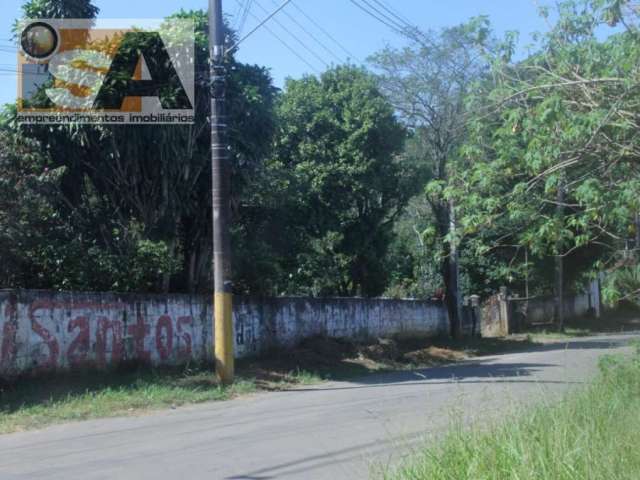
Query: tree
[427, 83]
[59, 9]
[140, 195]
[553, 155]
[341, 182]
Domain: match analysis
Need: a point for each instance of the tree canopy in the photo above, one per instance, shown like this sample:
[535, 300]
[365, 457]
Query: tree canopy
[449, 167]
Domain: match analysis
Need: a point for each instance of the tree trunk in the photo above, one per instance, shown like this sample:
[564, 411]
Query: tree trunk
[637, 245]
[451, 292]
[449, 269]
[191, 280]
[454, 280]
[560, 291]
[559, 270]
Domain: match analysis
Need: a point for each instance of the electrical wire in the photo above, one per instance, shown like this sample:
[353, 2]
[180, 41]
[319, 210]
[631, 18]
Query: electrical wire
[401, 18]
[286, 45]
[405, 29]
[399, 25]
[381, 20]
[236, 16]
[411, 30]
[327, 34]
[245, 13]
[295, 37]
[311, 35]
[260, 24]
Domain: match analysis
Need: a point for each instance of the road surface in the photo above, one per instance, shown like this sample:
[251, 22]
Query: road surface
[335, 431]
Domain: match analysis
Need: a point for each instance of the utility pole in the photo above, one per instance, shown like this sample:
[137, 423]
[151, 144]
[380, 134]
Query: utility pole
[221, 178]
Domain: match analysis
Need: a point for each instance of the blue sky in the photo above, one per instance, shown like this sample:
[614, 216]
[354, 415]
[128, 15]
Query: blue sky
[356, 32]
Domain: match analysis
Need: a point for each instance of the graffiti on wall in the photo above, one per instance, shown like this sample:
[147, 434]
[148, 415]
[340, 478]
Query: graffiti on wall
[50, 335]
[47, 330]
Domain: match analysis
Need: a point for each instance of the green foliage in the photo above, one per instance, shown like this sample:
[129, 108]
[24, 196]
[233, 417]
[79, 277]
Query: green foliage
[59, 9]
[622, 285]
[340, 181]
[551, 162]
[589, 434]
[133, 203]
[427, 83]
[352, 183]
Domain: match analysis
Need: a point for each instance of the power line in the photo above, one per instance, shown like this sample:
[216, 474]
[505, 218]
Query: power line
[312, 36]
[371, 14]
[411, 30]
[236, 16]
[260, 24]
[399, 25]
[287, 46]
[295, 37]
[327, 34]
[408, 31]
[245, 12]
[394, 13]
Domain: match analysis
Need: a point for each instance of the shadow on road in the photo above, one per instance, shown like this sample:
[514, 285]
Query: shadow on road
[486, 370]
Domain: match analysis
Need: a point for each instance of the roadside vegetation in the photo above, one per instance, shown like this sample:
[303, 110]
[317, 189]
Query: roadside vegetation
[591, 434]
[36, 402]
[449, 152]
[39, 402]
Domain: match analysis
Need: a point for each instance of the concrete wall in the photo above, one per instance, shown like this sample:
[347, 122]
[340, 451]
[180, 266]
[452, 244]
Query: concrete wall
[494, 322]
[541, 310]
[503, 314]
[48, 331]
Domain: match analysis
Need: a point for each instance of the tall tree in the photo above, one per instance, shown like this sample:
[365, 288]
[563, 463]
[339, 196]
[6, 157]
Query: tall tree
[60, 9]
[553, 159]
[343, 185]
[427, 83]
[135, 192]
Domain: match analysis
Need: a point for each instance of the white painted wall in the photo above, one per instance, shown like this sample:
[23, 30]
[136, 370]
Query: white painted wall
[46, 330]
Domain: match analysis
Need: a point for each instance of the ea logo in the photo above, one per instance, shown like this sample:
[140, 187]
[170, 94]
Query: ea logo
[80, 66]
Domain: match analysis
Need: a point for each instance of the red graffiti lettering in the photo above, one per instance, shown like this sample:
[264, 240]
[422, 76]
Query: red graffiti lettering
[184, 354]
[79, 348]
[117, 346]
[52, 344]
[139, 331]
[164, 337]
[9, 350]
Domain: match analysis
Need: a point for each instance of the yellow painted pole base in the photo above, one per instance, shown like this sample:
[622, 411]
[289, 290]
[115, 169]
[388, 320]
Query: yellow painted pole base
[223, 328]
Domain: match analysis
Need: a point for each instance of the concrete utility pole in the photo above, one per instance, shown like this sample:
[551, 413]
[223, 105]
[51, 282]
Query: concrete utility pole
[220, 170]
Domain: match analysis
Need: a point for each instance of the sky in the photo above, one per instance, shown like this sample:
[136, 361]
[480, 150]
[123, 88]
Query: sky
[349, 28]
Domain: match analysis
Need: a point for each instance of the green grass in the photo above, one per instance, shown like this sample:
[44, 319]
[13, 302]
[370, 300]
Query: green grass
[568, 334]
[33, 403]
[39, 402]
[592, 434]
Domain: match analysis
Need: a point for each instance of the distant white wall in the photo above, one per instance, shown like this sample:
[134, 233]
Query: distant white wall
[541, 310]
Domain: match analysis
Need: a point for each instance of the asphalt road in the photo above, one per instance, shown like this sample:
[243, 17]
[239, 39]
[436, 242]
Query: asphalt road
[333, 431]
